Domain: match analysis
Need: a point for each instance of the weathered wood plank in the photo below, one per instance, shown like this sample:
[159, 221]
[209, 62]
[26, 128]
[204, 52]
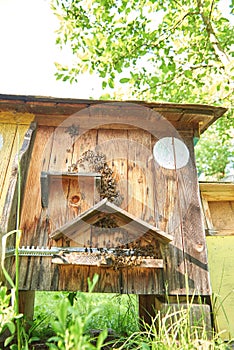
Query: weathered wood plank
[16, 118]
[73, 278]
[142, 281]
[194, 236]
[88, 192]
[60, 156]
[113, 143]
[86, 140]
[139, 178]
[26, 304]
[173, 192]
[21, 160]
[207, 216]
[217, 191]
[31, 207]
[7, 134]
[105, 260]
[222, 214]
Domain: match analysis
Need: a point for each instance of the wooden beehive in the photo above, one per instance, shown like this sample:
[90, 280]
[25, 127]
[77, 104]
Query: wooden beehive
[130, 217]
[218, 208]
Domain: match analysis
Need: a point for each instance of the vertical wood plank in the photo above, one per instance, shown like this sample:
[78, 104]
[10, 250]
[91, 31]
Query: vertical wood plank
[31, 206]
[147, 310]
[13, 136]
[84, 142]
[139, 153]
[195, 249]
[113, 143]
[140, 280]
[207, 215]
[26, 304]
[60, 156]
[87, 140]
[7, 134]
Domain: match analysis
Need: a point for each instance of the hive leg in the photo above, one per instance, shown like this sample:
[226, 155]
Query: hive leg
[26, 303]
[199, 314]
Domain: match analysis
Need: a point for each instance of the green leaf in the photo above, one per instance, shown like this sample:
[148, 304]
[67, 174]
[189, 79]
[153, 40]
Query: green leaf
[188, 73]
[66, 77]
[101, 338]
[124, 80]
[92, 284]
[11, 326]
[9, 340]
[104, 84]
[111, 83]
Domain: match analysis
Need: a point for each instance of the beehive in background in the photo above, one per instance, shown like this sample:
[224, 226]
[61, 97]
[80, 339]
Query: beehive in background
[218, 208]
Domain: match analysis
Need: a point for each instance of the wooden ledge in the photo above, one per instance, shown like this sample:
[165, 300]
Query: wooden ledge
[217, 191]
[107, 260]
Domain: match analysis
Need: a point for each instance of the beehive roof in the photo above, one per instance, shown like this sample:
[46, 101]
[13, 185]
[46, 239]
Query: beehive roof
[135, 226]
[53, 109]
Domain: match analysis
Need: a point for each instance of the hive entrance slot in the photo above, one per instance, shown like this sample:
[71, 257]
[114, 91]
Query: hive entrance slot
[108, 259]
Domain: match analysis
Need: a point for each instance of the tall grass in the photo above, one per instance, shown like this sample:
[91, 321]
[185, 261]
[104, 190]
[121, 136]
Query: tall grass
[171, 329]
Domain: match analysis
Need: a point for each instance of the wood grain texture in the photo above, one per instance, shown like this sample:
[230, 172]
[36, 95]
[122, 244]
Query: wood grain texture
[31, 218]
[216, 192]
[139, 280]
[26, 305]
[222, 214]
[12, 117]
[195, 250]
[207, 215]
[113, 143]
[139, 152]
[13, 137]
[19, 158]
[8, 134]
[153, 196]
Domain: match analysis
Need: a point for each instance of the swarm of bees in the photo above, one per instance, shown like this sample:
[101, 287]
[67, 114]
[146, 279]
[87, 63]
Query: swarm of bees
[115, 258]
[118, 261]
[91, 161]
[130, 257]
[106, 222]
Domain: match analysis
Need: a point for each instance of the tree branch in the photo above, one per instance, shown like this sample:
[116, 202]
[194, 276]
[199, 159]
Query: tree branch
[161, 37]
[221, 54]
[175, 77]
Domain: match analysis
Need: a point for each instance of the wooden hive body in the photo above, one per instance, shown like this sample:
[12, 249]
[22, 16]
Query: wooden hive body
[156, 211]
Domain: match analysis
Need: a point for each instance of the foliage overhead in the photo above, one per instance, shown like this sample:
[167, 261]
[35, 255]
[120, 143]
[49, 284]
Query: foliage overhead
[161, 50]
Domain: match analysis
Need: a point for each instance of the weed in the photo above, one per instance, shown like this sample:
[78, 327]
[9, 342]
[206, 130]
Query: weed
[71, 326]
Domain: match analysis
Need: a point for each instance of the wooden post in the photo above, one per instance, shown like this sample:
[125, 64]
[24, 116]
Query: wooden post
[147, 308]
[199, 314]
[26, 303]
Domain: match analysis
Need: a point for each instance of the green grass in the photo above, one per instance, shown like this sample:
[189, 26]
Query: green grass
[170, 331]
[117, 312]
[63, 320]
